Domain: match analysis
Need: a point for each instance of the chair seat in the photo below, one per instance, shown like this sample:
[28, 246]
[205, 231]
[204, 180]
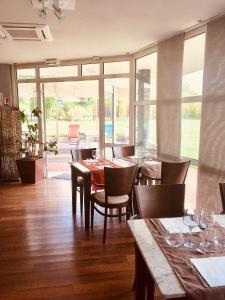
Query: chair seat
[112, 200]
[80, 180]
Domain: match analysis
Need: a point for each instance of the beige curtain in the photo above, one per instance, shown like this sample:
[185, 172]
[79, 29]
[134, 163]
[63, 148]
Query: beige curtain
[169, 84]
[212, 142]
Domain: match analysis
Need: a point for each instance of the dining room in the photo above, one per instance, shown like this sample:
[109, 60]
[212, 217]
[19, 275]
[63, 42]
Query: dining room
[112, 150]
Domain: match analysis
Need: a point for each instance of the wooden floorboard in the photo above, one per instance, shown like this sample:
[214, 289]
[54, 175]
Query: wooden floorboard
[46, 254]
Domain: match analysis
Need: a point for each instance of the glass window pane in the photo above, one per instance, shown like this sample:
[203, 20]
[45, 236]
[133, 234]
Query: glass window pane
[191, 188]
[146, 72]
[190, 126]
[72, 103]
[117, 67]
[146, 126]
[90, 69]
[25, 74]
[117, 110]
[62, 71]
[194, 49]
[27, 99]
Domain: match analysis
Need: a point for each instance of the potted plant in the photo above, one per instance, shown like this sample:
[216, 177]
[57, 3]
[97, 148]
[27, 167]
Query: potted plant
[31, 164]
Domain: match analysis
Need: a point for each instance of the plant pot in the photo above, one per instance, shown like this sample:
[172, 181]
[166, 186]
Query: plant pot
[30, 170]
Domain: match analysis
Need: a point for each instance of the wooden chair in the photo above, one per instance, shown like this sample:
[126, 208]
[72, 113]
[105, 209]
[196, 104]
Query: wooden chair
[172, 173]
[81, 154]
[160, 201]
[222, 194]
[117, 194]
[123, 151]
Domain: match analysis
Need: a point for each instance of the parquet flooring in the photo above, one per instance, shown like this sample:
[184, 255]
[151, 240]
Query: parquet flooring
[46, 254]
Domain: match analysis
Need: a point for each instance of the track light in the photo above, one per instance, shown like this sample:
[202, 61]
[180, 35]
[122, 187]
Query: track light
[57, 6]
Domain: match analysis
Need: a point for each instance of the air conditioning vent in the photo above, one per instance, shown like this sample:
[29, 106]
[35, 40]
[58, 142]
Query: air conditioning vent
[26, 32]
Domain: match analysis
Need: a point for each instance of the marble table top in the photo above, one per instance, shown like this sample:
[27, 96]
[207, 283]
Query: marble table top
[156, 262]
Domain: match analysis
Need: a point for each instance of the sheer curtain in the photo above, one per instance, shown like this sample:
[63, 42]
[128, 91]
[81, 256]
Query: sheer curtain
[212, 141]
[169, 78]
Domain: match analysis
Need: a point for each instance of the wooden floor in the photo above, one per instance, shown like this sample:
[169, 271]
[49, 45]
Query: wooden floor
[46, 254]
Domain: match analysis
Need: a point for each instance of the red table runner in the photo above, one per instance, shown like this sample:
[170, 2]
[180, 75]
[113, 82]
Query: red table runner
[177, 258]
[97, 171]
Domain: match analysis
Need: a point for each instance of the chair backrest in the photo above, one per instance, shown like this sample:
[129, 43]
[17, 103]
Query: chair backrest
[74, 130]
[119, 181]
[160, 201]
[174, 172]
[222, 193]
[83, 154]
[123, 151]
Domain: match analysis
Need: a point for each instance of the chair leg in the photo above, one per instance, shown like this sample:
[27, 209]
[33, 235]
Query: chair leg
[81, 198]
[120, 212]
[105, 226]
[92, 213]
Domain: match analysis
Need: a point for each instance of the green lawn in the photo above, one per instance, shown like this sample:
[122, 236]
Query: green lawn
[189, 141]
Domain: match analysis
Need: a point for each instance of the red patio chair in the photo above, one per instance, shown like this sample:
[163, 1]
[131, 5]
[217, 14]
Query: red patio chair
[73, 133]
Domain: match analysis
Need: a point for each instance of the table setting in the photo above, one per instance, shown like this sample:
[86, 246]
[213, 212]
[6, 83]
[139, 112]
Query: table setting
[195, 248]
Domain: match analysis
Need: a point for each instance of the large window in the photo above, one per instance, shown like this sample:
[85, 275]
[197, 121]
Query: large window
[27, 99]
[116, 91]
[192, 95]
[61, 71]
[145, 105]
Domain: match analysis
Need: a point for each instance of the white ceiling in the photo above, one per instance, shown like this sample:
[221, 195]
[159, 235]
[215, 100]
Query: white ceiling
[102, 27]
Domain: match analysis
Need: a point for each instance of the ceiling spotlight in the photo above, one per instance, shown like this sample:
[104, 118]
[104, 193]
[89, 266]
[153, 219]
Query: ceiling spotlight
[2, 35]
[43, 10]
[59, 13]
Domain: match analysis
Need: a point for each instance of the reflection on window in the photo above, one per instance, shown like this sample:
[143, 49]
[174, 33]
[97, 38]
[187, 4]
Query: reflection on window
[27, 99]
[116, 110]
[193, 66]
[190, 126]
[90, 69]
[62, 71]
[72, 103]
[25, 74]
[117, 67]
[145, 136]
[146, 77]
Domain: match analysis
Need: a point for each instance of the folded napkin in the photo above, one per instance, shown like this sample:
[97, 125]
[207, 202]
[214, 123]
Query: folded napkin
[91, 160]
[211, 269]
[176, 225]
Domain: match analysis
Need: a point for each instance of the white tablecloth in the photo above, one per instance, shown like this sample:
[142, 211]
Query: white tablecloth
[151, 168]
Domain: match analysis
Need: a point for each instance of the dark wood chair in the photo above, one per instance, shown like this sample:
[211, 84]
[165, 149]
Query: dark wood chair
[117, 194]
[160, 201]
[81, 154]
[222, 194]
[123, 151]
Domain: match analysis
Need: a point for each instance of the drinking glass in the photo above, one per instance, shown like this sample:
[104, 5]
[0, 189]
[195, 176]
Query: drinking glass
[207, 221]
[93, 154]
[174, 240]
[191, 222]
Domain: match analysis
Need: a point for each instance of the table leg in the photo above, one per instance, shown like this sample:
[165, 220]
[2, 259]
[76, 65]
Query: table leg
[150, 286]
[74, 190]
[87, 199]
[140, 275]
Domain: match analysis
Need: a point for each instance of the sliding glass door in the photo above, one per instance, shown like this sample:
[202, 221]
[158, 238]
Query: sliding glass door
[71, 113]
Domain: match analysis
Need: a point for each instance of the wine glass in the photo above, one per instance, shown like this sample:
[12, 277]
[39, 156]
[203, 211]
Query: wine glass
[207, 221]
[93, 154]
[191, 222]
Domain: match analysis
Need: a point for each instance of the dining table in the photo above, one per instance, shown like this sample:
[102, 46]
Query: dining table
[90, 170]
[154, 268]
[147, 166]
